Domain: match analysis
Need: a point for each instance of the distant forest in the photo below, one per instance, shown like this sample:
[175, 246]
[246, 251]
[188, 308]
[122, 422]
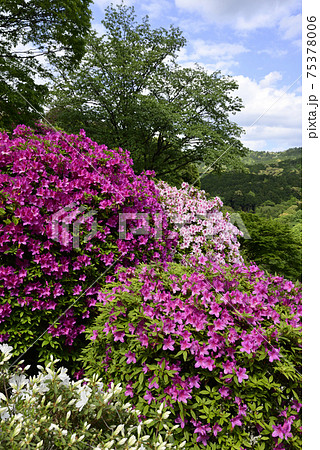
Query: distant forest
[267, 179]
[267, 193]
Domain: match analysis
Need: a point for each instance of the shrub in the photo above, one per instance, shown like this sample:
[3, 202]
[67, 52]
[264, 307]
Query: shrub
[49, 286]
[221, 346]
[48, 411]
[202, 227]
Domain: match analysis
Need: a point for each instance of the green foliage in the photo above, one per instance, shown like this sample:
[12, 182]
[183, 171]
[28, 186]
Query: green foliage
[273, 246]
[129, 92]
[275, 178]
[127, 311]
[29, 30]
[266, 158]
[49, 411]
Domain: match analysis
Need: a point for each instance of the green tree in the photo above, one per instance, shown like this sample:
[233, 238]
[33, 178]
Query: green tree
[34, 34]
[272, 246]
[129, 92]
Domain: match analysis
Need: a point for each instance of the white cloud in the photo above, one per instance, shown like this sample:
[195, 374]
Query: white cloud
[291, 26]
[274, 52]
[243, 15]
[99, 28]
[155, 9]
[271, 114]
[217, 56]
[270, 79]
[203, 49]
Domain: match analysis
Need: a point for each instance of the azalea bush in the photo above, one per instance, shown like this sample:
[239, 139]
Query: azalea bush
[201, 226]
[50, 411]
[51, 271]
[219, 345]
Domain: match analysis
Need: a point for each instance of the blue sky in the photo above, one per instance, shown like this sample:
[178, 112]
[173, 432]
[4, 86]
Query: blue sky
[256, 42]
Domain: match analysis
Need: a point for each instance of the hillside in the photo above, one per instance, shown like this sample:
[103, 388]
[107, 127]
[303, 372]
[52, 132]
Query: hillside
[272, 177]
[267, 194]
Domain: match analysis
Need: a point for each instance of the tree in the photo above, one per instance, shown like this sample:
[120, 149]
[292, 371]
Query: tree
[32, 34]
[130, 92]
[272, 246]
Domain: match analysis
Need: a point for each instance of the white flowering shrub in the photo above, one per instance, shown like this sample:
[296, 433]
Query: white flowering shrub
[50, 411]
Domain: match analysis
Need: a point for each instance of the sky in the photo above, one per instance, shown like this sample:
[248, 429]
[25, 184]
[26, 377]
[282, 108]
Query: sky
[258, 43]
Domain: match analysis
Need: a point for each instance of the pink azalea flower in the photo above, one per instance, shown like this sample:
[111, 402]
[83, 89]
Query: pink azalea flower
[153, 384]
[131, 357]
[274, 354]
[236, 421]
[94, 335]
[77, 289]
[149, 397]
[247, 346]
[181, 422]
[277, 431]
[119, 336]
[224, 392]
[228, 367]
[129, 391]
[168, 344]
[216, 429]
[183, 396]
[241, 374]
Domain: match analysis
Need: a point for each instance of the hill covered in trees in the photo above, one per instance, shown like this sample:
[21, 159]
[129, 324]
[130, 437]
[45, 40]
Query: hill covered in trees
[267, 179]
[267, 193]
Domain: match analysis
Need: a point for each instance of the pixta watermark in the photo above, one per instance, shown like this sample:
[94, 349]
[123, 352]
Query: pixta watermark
[60, 224]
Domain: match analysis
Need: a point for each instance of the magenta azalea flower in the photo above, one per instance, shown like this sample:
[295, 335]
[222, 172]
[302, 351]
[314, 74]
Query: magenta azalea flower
[131, 357]
[274, 354]
[241, 374]
[94, 335]
[168, 344]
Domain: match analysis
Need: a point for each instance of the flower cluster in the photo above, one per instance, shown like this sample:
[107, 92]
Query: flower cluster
[51, 411]
[47, 179]
[200, 224]
[219, 345]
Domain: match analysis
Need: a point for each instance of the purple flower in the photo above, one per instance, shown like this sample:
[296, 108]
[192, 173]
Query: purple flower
[228, 367]
[236, 421]
[277, 431]
[77, 289]
[224, 392]
[241, 374]
[247, 345]
[149, 397]
[153, 384]
[168, 344]
[119, 336]
[180, 421]
[194, 381]
[144, 340]
[183, 396]
[216, 428]
[129, 391]
[286, 428]
[214, 309]
[274, 354]
[131, 357]
[94, 335]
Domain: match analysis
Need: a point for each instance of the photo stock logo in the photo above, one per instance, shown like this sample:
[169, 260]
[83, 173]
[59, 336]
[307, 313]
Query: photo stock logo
[205, 222]
[60, 222]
